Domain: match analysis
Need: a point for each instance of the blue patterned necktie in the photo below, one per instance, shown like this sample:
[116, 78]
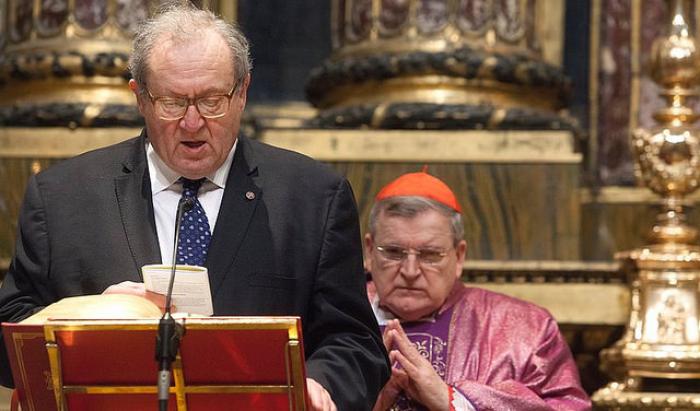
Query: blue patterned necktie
[195, 234]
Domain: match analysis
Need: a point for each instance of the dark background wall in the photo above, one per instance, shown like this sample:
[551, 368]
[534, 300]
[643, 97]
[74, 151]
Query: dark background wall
[288, 39]
[576, 56]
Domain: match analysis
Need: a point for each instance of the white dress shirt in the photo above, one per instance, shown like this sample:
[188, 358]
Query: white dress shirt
[166, 192]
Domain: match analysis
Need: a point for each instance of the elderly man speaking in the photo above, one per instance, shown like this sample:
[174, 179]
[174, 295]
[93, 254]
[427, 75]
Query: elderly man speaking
[454, 347]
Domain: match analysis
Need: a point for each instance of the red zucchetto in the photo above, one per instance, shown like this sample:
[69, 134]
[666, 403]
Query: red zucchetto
[420, 184]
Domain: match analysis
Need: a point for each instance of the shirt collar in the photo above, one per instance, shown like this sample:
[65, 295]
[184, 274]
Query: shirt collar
[162, 176]
[383, 316]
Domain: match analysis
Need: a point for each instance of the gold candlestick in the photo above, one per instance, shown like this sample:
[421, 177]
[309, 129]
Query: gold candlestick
[660, 351]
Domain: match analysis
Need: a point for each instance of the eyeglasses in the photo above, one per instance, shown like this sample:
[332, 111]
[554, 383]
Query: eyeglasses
[427, 256]
[174, 108]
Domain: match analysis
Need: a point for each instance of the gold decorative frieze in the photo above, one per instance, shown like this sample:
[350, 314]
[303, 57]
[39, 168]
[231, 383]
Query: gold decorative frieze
[56, 142]
[428, 146]
[363, 26]
[441, 64]
[65, 62]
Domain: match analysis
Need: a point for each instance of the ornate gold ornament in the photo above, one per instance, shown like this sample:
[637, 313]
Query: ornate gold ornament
[659, 355]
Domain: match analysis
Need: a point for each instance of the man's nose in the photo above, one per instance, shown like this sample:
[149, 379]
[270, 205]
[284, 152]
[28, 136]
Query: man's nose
[192, 120]
[410, 267]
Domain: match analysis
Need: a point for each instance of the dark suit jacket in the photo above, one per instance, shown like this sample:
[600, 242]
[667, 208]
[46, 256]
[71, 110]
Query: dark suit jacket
[292, 249]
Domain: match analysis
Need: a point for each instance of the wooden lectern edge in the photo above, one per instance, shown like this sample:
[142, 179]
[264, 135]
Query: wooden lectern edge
[78, 313]
[109, 309]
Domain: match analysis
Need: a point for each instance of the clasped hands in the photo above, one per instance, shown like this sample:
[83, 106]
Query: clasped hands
[411, 373]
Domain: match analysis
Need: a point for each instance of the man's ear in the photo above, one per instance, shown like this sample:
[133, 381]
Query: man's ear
[242, 92]
[461, 250]
[134, 87]
[368, 258]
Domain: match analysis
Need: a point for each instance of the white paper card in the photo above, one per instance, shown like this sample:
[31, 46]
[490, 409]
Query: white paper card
[191, 292]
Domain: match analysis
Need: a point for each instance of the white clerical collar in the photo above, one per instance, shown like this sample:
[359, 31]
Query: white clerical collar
[383, 316]
[162, 176]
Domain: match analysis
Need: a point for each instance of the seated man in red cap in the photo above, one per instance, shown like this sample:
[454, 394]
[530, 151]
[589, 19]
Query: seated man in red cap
[454, 347]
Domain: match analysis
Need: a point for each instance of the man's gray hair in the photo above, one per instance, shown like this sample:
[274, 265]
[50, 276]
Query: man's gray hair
[409, 207]
[181, 21]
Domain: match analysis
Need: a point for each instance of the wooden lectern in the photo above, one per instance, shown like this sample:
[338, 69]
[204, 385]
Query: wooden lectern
[224, 363]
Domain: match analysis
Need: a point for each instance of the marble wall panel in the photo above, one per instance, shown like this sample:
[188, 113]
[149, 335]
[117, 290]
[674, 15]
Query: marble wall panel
[623, 95]
[14, 173]
[618, 225]
[614, 76]
[511, 211]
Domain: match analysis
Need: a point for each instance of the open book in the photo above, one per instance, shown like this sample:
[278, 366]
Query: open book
[105, 307]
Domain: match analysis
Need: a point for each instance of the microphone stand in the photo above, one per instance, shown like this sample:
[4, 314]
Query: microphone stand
[169, 331]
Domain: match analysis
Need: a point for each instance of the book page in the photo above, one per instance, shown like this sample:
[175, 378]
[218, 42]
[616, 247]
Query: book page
[191, 291]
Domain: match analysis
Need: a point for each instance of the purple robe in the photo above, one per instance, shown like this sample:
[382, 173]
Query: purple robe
[507, 354]
[430, 338]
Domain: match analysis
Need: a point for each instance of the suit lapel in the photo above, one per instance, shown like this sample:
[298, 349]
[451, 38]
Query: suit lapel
[240, 199]
[133, 190]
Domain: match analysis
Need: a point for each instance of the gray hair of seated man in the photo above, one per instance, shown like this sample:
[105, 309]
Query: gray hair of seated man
[410, 206]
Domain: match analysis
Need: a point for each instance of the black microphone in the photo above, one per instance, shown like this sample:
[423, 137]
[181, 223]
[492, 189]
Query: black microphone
[185, 205]
[169, 331]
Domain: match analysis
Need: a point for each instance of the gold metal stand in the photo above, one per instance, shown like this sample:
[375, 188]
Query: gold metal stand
[658, 358]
